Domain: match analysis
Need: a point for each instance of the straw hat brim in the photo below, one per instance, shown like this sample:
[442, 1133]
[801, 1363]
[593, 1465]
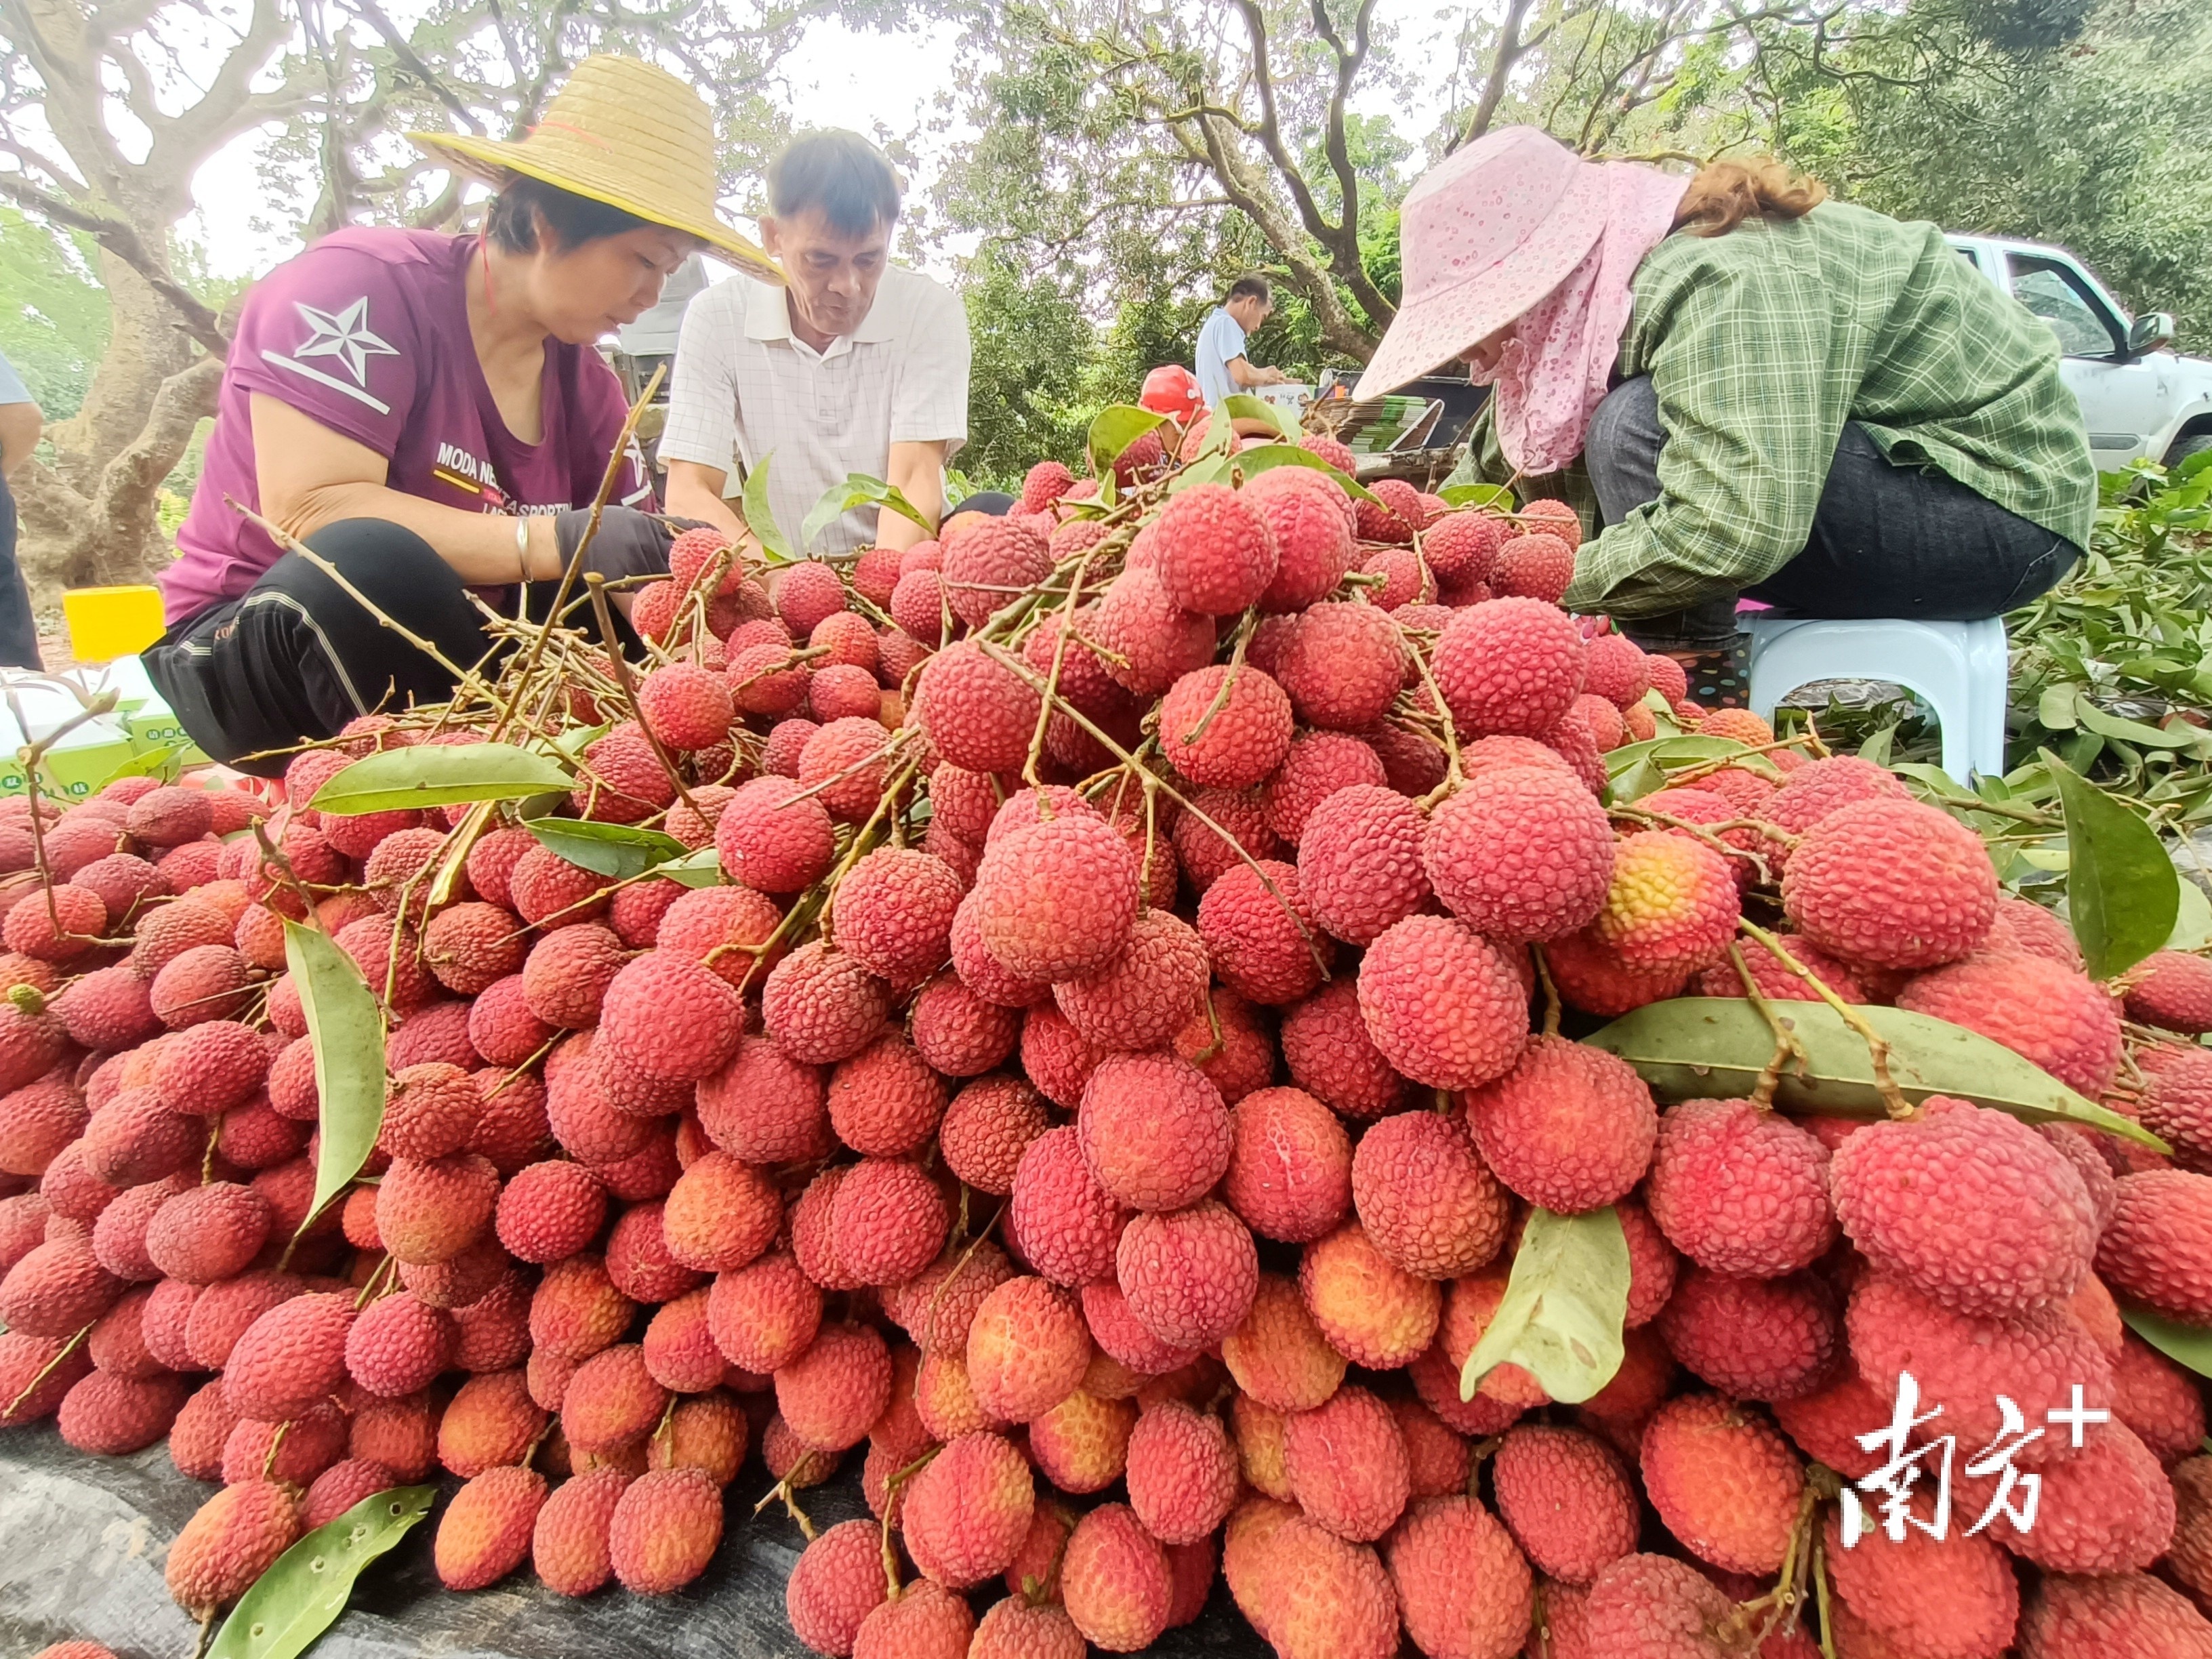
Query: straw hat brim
[495, 162]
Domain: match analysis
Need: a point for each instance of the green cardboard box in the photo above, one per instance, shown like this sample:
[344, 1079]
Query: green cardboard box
[72, 773]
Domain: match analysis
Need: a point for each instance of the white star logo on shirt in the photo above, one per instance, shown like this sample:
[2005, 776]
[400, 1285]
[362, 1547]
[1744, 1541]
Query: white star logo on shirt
[343, 335]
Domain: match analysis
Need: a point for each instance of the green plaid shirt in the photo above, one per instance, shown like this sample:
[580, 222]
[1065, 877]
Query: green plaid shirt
[1762, 342]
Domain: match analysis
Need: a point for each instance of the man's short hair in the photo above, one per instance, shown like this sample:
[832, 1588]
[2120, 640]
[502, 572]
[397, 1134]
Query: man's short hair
[851, 180]
[1251, 287]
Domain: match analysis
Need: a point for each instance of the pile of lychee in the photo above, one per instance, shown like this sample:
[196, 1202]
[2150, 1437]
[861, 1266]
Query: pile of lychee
[1103, 1094]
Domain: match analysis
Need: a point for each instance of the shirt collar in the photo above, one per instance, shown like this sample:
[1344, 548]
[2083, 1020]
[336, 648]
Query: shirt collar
[767, 317]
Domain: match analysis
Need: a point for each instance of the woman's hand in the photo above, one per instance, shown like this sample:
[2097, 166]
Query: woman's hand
[628, 542]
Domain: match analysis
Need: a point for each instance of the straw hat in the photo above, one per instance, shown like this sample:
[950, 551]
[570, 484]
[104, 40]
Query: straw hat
[625, 133]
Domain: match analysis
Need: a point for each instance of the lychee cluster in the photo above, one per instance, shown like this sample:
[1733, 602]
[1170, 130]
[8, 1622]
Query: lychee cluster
[1098, 1099]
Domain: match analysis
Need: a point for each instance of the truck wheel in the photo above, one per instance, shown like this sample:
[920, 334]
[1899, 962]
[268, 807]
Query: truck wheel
[2191, 443]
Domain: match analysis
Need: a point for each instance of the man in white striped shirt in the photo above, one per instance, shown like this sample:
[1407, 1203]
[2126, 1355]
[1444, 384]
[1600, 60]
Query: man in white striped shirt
[857, 366]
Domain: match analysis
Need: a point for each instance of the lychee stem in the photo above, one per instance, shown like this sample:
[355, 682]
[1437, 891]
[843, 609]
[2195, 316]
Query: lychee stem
[1551, 991]
[1452, 776]
[782, 1490]
[576, 565]
[1711, 833]
[45, 1371]
[891, 1498]
[1244, 627]
[1052, 681]
[371, 1287]
[598, 586]
[1213, 1025]
[929, 1314]
[275, 1445]
[1786, 1045]
[1892, 1098]
[1000, 654]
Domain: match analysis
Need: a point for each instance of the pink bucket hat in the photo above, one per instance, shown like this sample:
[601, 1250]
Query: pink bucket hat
[1486, 235]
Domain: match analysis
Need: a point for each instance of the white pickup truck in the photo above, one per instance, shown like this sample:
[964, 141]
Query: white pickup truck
[2139, 397]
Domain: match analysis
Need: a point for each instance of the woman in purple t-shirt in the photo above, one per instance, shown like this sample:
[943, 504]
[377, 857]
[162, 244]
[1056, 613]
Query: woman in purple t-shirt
[427, 413]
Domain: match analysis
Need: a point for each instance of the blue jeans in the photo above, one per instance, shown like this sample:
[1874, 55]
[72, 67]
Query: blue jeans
[1887, 540]
[19, 634]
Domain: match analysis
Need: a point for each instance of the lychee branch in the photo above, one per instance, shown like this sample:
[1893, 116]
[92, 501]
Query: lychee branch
[1893, 1097]
[1787, 1047]
[1000, 654]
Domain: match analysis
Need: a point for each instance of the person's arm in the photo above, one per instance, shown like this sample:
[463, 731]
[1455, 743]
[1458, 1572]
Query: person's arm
[309, 476]
[695, 491]
[917, 472]
[20, 426]
[700, 440]
[929, 416]
[1244, 374]
[1737, 360]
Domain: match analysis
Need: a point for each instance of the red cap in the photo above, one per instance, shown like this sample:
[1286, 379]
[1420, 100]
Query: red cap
[1170, 389]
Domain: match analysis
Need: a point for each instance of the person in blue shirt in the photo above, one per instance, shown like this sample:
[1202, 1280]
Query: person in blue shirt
[20, 421]
[1223, 368]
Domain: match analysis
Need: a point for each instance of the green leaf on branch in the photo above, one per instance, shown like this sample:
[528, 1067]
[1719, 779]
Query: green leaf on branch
[345, 1027]
[1266, 457]
[307, 1588]
[167, 764]
[2194, 739]
[1637, 768]
[2192, 920]
[1243, 406]
[1478, 495]
[701, 869]
[439, 774]
[617, 851]
[2055, 707]
[859, 489]
[2123, 893]
[1701, 1047]
[1114, 428]
[760, 516]
[2184, 1345]
[1561, 1316]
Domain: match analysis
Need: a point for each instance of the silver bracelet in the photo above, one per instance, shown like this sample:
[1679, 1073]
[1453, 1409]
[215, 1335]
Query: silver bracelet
[522, 546]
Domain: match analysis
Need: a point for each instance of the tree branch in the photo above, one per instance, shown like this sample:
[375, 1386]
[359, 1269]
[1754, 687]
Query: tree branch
[413, 63]
[1511, 48]
[124, 243]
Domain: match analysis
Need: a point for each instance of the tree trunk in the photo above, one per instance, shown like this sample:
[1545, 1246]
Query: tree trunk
[144, 347]
[90, 518]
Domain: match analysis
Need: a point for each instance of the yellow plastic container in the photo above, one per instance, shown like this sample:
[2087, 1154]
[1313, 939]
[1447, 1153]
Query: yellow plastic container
[107, 623]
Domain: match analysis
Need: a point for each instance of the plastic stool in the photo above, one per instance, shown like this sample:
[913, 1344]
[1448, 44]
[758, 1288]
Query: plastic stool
[1959, 669]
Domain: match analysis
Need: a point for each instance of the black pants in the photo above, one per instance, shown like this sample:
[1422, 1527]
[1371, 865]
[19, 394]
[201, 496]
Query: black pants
[298, 656]
[1887, 540]
[19, 634]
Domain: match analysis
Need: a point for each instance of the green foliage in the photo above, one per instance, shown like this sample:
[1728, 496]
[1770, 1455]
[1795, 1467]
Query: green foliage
[2113, 668]
[345, 1026]
[53, 322]
[397, 780]
[1693, 1048]
[308, 1587]
[1035, 351]
[1561, 1316]
[2122, 893]
[2041, 118]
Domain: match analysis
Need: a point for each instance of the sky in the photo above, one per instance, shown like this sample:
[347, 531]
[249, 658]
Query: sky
[836, 72]
[837, 76]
